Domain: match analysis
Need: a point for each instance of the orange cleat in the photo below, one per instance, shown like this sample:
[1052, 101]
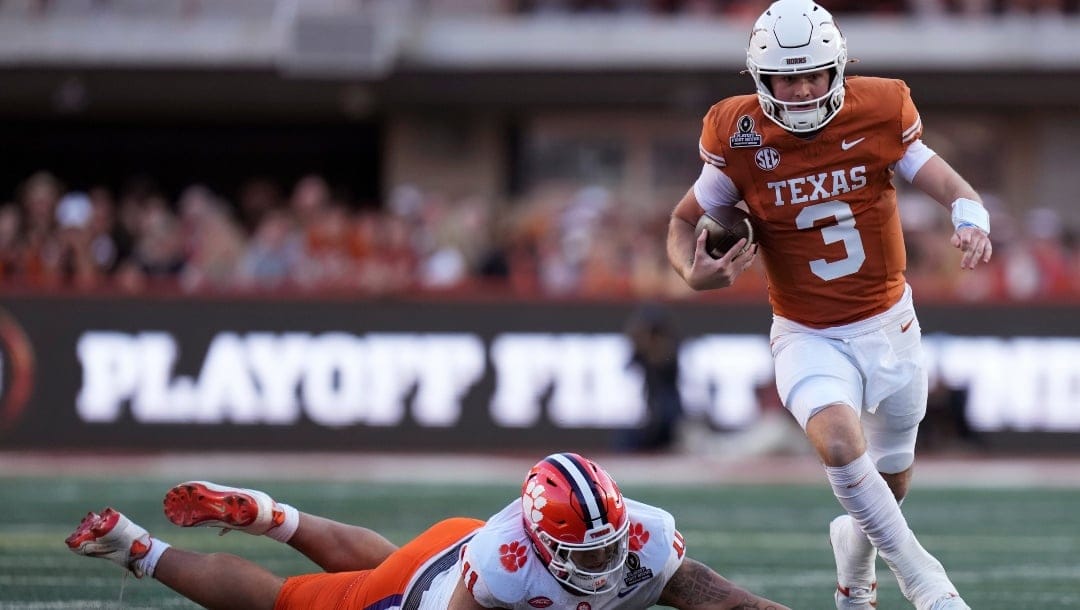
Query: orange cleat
[205, 504]
[111, 536]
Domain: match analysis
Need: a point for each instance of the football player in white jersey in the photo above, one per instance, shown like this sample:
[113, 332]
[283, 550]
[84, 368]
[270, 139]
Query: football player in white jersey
[570, 541]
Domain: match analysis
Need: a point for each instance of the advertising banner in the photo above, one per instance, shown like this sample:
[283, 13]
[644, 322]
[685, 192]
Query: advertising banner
[337, 374]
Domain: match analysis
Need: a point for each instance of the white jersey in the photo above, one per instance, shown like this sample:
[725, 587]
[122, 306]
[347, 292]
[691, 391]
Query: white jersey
[501, 569]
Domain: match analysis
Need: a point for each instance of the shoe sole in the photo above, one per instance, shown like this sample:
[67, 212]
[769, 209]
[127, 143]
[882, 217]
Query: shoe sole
[193, 504]
[91, 529]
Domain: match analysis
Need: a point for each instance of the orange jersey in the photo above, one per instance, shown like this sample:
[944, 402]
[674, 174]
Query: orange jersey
[824, 208]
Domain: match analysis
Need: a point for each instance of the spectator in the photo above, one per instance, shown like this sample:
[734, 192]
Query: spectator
[213, 242]
[38, 196]
[274, 255]
[10, 242]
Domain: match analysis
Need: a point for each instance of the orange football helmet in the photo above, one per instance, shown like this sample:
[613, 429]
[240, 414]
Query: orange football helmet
[576, 517]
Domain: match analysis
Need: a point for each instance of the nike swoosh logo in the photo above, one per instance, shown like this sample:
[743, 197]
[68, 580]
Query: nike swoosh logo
[846, 145]
[857, 483]
[626, 592]
[904, 327]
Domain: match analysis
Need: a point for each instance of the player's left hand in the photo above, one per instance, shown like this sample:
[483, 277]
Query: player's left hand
[975, 244]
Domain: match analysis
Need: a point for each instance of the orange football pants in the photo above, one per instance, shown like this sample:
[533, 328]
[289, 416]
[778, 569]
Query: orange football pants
[376, 589]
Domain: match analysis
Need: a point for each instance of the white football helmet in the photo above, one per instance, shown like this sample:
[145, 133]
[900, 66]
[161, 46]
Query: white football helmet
[794, 37]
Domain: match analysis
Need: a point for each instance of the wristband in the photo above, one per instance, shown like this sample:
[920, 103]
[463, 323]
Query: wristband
[970, 213]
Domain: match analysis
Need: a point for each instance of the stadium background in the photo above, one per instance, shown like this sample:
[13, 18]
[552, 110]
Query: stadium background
[436, 223]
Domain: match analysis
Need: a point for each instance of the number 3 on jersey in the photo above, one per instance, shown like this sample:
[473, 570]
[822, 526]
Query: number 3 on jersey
[843, 231]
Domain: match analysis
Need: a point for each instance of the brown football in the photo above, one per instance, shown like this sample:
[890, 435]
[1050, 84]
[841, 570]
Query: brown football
[726, 225]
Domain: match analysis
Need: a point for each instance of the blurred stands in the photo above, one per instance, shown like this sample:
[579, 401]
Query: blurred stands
[529, 147]
[567, 243]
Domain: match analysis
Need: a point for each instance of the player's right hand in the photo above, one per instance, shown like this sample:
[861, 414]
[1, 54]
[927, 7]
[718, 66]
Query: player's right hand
[707, 272]
[975, 245]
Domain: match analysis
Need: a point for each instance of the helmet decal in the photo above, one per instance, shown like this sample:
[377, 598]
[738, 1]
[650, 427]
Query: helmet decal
[595, 514]
[533, 501]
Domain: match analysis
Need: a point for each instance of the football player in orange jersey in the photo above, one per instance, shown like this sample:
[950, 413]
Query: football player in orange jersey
[569, 540]
[813, 155]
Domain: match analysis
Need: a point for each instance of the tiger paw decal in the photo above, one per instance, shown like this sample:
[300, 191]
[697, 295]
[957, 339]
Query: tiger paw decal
[513, 556]
[638, 536]
[533, 502]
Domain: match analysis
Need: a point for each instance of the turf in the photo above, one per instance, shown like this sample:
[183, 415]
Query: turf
[1006, 549]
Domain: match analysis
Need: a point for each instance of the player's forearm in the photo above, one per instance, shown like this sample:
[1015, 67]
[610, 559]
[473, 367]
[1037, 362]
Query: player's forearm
[680, 246]
[695, 586]
[943, 183]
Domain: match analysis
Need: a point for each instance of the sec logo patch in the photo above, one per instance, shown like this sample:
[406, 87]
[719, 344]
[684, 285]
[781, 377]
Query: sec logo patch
[767, 158]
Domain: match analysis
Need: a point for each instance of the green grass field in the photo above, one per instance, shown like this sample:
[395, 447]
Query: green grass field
[1006, 549]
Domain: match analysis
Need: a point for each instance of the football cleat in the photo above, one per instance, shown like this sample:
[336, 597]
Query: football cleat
[200, 503]
[111, 536]
[856, 584]
[952, 601]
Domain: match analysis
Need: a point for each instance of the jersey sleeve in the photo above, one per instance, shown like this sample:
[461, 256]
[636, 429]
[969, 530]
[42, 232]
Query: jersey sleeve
[710, 145]
[476, 573]
[676, 554]
[910, 121]
[659, 549]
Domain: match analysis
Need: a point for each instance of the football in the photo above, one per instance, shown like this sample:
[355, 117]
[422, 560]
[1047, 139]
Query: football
[725, 226]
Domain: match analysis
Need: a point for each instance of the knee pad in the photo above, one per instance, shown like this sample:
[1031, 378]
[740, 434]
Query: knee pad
[894, 462]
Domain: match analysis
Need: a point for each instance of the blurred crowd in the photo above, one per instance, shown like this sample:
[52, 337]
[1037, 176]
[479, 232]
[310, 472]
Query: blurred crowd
[578, 242]
[752, 8]
[193, 9]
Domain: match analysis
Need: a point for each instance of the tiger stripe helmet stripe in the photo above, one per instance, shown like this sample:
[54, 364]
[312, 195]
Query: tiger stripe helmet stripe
[580, 478]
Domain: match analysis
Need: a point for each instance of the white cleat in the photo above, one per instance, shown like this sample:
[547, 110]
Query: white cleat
[201, 503]
[111, 536]
[856, 582]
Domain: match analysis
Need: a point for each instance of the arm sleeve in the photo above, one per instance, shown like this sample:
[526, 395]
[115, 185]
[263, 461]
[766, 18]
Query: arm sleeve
[714, 188]
[916, 155]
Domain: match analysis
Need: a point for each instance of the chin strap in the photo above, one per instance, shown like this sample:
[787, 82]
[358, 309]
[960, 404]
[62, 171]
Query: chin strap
[970, 213]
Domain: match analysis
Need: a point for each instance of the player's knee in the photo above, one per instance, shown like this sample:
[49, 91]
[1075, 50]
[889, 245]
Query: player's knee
[837, 453]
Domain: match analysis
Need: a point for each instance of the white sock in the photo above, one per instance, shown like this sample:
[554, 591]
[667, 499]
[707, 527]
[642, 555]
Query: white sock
[866, 497]
[862, 547]
[148, 563]
[285, 531]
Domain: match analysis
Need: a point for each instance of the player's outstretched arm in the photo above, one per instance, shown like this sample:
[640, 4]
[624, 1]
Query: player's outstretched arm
[688, 254]
[939, 180]
[695, 586]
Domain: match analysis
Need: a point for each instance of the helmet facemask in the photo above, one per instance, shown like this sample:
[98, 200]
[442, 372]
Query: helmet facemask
[589, 568]
[797, 37]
